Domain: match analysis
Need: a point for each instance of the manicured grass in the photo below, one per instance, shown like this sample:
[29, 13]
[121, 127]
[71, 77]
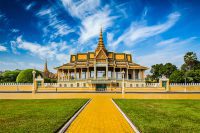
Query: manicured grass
[37, 115]
[163, 116]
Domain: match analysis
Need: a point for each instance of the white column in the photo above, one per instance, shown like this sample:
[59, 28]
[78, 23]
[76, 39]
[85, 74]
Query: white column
[87, 75]
[95, 69]
[81, 72]
[127, 73]
[107, 71]
[139, 76]
[114, 73]
[68, 74]
[75, 73]
[121, 72]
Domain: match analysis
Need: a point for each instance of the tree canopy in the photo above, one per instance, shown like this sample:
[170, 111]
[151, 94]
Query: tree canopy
[26, 76]
[189, 70]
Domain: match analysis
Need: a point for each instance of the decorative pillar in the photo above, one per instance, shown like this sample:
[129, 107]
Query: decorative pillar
[106, 71]
[75, 73]
[87, 76]
[127, 73]
[95, 69]
[139, 75]
[133, 74]
[81, 73]
[114, 73]
[68, 74]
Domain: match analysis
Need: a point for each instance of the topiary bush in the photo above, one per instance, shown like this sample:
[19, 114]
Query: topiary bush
[26, 76]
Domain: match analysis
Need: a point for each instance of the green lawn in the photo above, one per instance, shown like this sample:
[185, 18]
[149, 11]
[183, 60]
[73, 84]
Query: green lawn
[36, 115]
[163, 116]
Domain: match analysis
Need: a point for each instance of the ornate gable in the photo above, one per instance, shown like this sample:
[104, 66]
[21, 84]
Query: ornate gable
[101, 55]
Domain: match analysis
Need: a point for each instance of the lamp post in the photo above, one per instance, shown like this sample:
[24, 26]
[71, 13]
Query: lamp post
[123, 81]
[33, 72]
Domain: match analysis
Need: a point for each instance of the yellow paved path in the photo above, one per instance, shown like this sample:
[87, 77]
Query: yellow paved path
[100, 116]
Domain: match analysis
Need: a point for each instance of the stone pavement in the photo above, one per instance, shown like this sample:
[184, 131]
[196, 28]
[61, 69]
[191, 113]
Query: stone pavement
[100, 116]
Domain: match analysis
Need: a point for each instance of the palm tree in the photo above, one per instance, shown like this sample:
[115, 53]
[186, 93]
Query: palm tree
[190, 59]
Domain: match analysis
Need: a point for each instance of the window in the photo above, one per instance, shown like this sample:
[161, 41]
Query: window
[77, 84]
[71, 85]
[65, 85]
[136, 85]
[84, 85]
[60, 85]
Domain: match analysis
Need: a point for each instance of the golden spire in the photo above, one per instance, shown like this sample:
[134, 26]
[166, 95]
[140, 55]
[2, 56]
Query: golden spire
[45, 66]
[100, 43]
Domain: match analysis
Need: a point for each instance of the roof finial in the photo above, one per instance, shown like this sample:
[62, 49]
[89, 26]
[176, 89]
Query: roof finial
[100, 43]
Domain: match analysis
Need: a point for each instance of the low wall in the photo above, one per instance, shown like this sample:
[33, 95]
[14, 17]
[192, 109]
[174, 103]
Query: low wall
[16, 87]
[184, 88]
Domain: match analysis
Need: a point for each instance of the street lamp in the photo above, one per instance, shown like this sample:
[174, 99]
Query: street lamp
[123, 81]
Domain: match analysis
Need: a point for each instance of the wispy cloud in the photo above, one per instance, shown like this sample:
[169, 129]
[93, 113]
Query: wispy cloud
[29, 6]
[138, 32]
[51, 25]
[81, 9]
[90, 26]
[14, 30]
[172, 50]
[52, 51]
[12, 65]
[3, 48]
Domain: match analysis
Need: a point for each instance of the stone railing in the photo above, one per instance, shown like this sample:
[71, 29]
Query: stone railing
[184, 84]
[16, 84]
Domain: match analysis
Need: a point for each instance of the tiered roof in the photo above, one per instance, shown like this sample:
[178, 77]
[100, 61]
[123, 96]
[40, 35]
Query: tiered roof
[83, 60]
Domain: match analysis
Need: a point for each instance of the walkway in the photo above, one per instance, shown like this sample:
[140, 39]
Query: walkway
[100, 115]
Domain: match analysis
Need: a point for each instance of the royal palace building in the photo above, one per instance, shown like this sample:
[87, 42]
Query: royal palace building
[101, 70]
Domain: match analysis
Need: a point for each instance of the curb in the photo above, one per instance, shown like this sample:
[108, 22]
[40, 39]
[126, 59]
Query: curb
[64, 128]
[127, 119]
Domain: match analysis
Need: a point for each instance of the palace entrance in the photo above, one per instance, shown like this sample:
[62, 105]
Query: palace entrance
[101, 87]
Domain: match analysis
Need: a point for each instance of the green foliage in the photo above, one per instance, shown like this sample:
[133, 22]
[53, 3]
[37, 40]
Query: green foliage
[48, 80]
[159, 69]
[177, 76]
[26, 76]
[193, 76]
[191, 61]
[9, 76]
[156, 71]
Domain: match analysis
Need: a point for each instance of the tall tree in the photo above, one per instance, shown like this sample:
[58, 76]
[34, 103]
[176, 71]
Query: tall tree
[168, 69]
[156, 71]
[177, 76]
[190, 59]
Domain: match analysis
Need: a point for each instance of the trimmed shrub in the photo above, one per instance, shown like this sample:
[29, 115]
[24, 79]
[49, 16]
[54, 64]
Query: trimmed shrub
[26, 76]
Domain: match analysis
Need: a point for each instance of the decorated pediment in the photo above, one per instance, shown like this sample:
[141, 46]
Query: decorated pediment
[101, 55]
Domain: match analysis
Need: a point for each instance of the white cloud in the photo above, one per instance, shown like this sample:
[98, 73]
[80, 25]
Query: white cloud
[52, 51]
[51, 25]
[29, 6]
[172, 51]
[3, 48]
[138, 32]
[14, 30]
[167, 42]
[12, 65]
[81, 9]
[90, 26]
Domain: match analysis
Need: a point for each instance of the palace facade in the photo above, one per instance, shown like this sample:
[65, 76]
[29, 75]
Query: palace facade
[101, 70]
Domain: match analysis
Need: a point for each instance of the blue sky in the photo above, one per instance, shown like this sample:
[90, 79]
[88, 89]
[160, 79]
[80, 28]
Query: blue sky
[153, 31]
